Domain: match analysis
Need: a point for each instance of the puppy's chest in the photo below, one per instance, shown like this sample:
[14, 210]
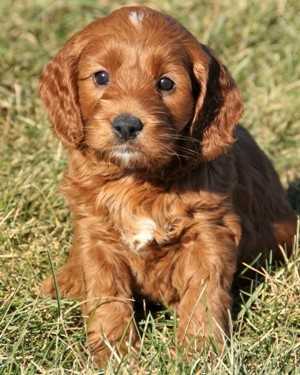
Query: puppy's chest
[146, 232]
[141, 230]
[147, 221]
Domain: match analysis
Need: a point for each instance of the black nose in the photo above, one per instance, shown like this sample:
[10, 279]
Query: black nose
[127, 126]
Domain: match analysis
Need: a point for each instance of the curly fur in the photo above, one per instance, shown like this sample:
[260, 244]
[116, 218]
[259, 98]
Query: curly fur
[171, 214]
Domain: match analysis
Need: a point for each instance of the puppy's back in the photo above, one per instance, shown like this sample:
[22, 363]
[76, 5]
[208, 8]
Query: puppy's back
[267, 218]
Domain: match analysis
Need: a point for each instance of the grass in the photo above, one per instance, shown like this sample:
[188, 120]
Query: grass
[260, 43]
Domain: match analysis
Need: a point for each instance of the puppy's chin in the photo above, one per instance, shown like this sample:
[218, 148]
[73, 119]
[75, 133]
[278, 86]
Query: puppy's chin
[128, 158]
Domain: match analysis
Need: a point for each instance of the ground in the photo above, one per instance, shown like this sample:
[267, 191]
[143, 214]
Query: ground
[259, 41]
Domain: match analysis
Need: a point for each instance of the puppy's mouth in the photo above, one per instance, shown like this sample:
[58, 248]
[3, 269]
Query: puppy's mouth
[126, 154]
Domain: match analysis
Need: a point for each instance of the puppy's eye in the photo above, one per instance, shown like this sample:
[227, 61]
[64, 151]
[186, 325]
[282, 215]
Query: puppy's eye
[165, 84]
[101, 78]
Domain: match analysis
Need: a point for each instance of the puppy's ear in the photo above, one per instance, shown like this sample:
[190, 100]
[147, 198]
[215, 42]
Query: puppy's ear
[58, 90]
[218, 105]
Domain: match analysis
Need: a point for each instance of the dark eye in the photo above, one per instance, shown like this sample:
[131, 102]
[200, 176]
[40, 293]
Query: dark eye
[101, 77]
[165, 84]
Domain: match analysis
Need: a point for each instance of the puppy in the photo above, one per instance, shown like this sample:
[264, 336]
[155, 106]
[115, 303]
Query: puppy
[168, 193]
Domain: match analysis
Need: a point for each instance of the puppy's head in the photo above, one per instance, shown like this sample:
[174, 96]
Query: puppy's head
[137, 89]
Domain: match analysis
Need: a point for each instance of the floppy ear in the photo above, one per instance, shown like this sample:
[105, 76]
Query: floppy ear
[218, 107]
[58, 90]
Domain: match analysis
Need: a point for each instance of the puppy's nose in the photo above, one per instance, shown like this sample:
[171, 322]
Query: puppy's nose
[127, 126]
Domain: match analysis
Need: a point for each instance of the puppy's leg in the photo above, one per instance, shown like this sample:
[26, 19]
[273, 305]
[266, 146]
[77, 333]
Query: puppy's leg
[203, 277]
[108, 308]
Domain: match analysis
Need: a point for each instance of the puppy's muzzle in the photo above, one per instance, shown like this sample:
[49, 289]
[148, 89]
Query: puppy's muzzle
[126, 126]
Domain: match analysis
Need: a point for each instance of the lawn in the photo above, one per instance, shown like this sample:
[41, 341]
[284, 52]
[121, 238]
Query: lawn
[259, 41]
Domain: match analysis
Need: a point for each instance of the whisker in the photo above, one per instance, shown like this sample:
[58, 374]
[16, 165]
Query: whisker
[184, 148]
[175, 136]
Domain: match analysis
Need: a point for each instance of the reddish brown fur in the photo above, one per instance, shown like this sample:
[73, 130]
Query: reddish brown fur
[197, 184]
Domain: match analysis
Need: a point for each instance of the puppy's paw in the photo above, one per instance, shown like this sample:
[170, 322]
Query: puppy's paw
[195, 337]
[47, 288]
[110, 336]
[68, 281]
[99, 350]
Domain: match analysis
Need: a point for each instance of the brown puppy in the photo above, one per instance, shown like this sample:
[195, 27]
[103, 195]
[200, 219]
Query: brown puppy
[168, 193]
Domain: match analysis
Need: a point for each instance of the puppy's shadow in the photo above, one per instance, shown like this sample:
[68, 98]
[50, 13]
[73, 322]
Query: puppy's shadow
[144, 306]
[245, 284]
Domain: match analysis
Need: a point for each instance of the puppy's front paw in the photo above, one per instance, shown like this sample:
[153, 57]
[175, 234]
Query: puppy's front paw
[47, 288]
[110, 333]
[199, 332]
[68, 281]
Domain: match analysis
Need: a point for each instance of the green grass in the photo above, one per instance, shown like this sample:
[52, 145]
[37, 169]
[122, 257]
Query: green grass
[259, 41]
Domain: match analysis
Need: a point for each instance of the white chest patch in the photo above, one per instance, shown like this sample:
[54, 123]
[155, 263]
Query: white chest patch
[144, 234]
[136, 17]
